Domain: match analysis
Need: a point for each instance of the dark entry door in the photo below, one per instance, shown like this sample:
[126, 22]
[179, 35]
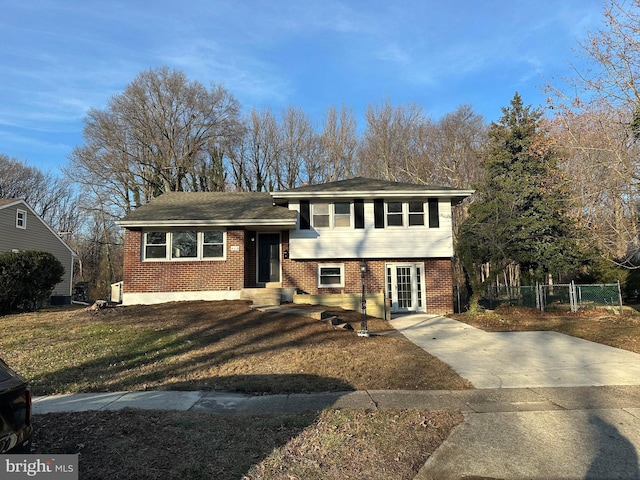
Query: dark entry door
[269, 257]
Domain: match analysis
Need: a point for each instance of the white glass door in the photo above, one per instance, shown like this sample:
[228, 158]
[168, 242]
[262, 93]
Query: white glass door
[405, 283]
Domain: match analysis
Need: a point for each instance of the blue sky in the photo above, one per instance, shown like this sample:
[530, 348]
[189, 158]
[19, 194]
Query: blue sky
[60, 58]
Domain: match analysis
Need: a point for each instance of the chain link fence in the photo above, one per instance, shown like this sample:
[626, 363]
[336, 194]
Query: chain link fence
[562, 296]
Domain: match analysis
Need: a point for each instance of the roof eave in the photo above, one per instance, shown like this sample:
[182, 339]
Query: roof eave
[261, 222]
[374, 194]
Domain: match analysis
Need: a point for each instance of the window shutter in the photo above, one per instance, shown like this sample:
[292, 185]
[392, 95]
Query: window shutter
[434, 216]
[304, 215]
[358, 208]
[378, 213]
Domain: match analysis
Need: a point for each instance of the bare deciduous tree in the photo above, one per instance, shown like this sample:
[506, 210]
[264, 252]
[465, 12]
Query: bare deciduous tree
[51, 197]
[298, 148]
[338, 147]
[153, 137]
[599, 129]
[255, 154]
[390, 147]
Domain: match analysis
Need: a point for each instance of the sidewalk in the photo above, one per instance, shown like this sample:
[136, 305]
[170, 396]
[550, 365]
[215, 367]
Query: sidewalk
[467, 401]
[515, 433]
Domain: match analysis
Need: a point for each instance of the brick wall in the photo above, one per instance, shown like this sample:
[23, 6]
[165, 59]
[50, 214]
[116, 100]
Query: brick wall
[183, 276]
[303, 275]
[239, 270]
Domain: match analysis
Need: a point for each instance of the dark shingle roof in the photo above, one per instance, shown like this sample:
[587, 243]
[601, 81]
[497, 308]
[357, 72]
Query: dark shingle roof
[371, 187]
[212, 208]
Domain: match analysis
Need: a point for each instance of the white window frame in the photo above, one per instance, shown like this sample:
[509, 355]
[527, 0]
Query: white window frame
[330, 265]
[331, 213]
[341, 215]
[169, 254]
[406, 214]
[314, 206]
[425, 220]
[21, 219]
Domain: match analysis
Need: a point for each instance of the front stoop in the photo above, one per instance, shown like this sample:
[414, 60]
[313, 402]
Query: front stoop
[270, 295]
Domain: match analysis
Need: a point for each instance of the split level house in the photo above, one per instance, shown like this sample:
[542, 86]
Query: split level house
[314, 244]
[22, 229]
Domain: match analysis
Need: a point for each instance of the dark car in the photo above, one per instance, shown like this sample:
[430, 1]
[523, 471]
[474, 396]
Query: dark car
[15, 412]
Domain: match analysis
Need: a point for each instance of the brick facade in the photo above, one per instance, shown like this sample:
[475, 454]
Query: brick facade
[183, 276]
[238, 271]
[303, 275]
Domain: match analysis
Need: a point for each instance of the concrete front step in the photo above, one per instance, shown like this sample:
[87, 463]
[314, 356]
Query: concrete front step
[267, 298]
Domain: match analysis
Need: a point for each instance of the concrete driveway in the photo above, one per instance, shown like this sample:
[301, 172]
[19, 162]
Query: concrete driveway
[519, 359]
[595, 440]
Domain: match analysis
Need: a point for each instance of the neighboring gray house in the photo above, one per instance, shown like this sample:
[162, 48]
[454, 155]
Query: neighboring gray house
[22, 229]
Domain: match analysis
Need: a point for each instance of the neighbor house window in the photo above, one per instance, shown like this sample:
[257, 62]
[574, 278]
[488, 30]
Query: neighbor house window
[330, 275]
[184, 245]
[21, 219]
[416, 213]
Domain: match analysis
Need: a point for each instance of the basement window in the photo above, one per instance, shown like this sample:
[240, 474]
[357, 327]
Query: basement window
[330, 275]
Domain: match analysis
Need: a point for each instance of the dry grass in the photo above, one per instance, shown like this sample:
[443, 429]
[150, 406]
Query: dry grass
[226, 346]
[212, 346]
[332, 444]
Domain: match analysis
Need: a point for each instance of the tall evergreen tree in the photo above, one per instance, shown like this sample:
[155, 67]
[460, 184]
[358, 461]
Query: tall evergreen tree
[518, 216]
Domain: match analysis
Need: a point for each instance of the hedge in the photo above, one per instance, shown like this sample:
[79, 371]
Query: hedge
[27, 278]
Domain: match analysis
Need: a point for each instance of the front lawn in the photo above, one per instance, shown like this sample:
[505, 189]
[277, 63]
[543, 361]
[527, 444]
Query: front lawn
[211, 346]
[226, 346]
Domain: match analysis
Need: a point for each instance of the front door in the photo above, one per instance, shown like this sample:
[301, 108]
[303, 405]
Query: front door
[405, 287]
[268, 257]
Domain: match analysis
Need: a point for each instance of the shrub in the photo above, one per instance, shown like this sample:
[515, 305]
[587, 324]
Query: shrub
[27, 278]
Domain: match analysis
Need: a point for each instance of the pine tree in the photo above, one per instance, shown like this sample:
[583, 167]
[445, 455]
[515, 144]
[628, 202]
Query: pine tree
[518, 216]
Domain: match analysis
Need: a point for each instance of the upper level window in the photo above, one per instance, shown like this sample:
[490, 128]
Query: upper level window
[394, 214]
[332, 215]
[412, 214]
[416, 213]
[342, 214]
[21, 219]
[321, 215]
[183, 245]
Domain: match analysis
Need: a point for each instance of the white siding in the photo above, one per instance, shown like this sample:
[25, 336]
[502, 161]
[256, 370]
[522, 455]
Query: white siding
[370, 242]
